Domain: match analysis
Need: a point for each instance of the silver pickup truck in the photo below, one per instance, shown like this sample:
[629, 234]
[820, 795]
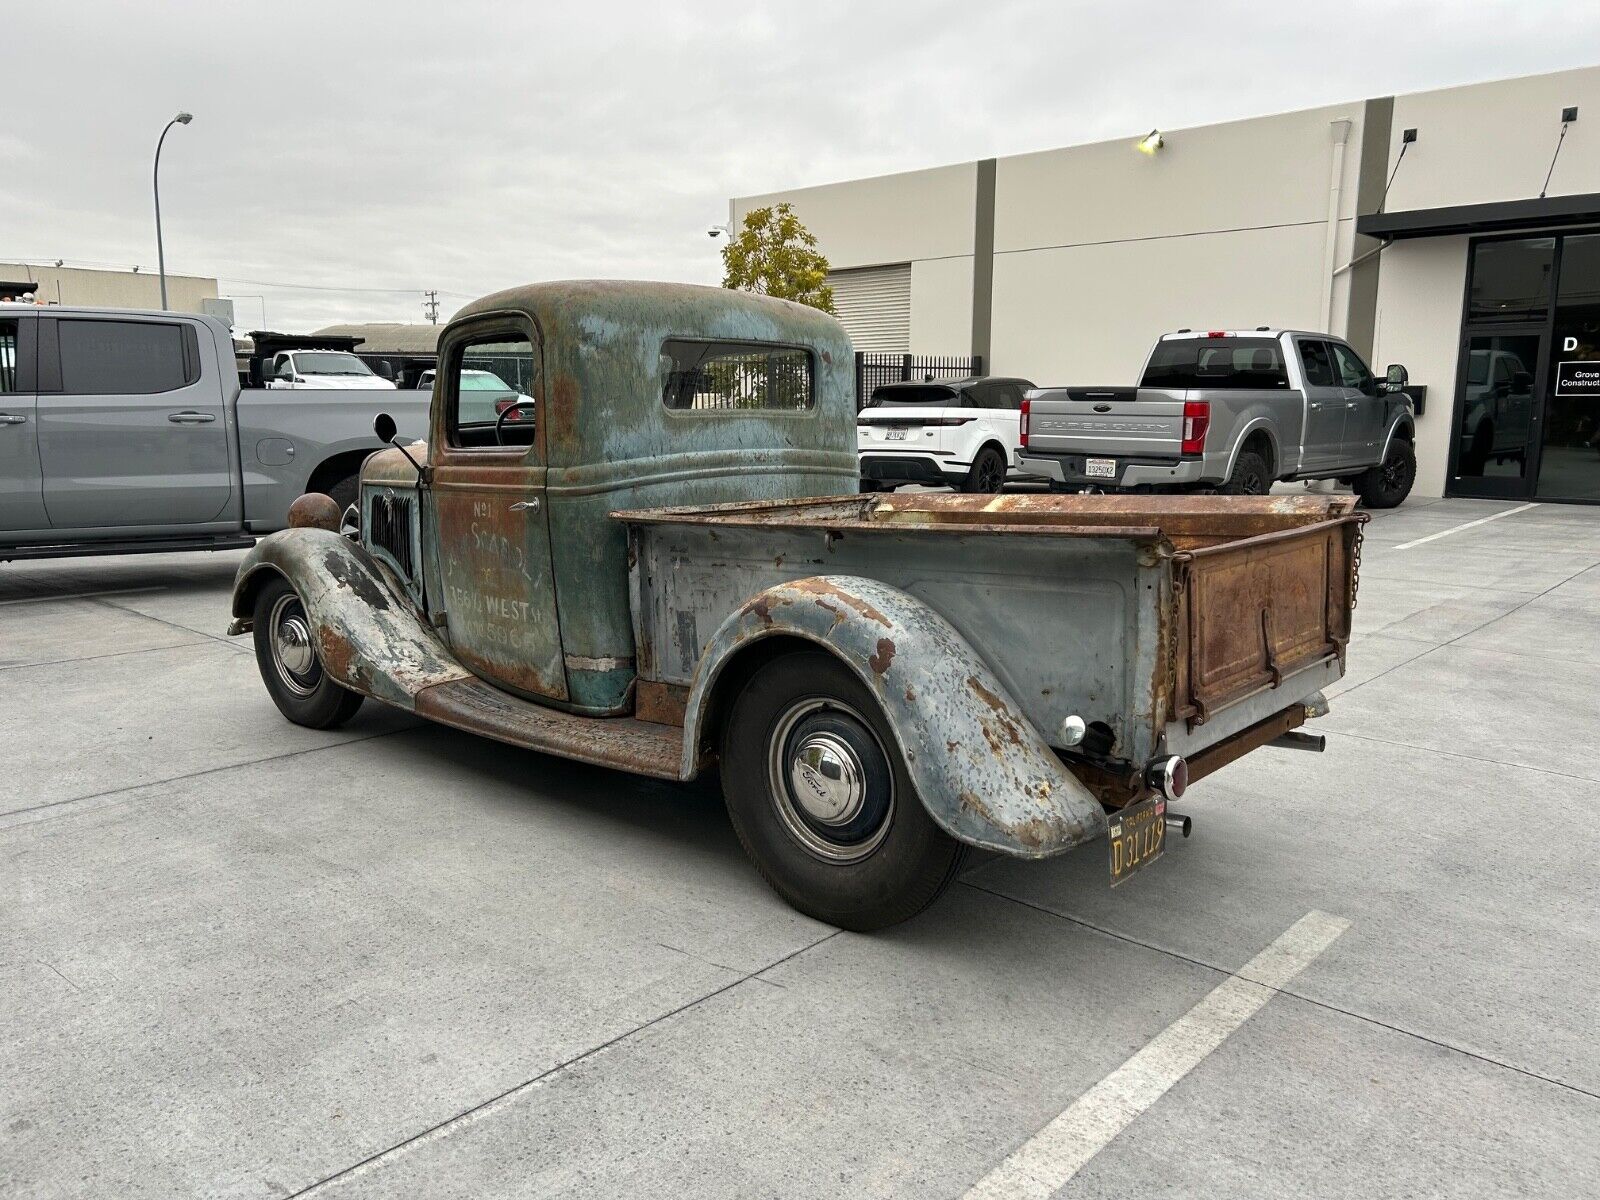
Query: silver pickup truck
[125, 431]
[1230, 411]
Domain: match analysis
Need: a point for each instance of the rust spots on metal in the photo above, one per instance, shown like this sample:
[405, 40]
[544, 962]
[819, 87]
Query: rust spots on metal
[761, 609]
[660, 703]
[338, 656]
[562, 426]
[884, 658]
[824, 588]
[1032, 832]
[314, 511]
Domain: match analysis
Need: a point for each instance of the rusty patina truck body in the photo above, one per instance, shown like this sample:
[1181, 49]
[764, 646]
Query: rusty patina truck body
[658, 575]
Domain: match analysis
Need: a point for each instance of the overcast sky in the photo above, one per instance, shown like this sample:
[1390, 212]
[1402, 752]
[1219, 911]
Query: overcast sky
[469, 146]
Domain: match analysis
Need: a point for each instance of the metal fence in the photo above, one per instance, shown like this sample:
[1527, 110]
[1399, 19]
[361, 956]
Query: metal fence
[875, 370]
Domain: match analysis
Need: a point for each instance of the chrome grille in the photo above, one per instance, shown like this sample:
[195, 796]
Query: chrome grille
[389, 529]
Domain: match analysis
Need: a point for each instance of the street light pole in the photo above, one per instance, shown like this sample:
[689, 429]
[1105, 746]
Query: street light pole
[182, 118]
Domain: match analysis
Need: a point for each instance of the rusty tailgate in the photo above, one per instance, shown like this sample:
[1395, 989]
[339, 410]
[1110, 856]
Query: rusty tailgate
[1252, 612]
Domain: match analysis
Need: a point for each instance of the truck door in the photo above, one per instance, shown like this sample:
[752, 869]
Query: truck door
[131, 430]
[491, 529]
[1365, 408]
[1325, 406]
[21, 486]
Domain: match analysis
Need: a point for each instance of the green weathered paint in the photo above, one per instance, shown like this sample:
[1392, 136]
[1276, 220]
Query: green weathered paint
[608, 442]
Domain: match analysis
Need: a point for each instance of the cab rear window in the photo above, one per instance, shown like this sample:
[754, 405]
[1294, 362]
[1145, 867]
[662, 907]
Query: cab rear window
[1216, 363]
[735, 377]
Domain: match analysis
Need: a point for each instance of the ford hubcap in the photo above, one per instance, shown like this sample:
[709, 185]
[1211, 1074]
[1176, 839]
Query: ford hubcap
[830, 780]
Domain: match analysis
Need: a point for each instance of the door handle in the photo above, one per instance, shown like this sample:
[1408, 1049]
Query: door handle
[526, 505]
[12, 419]
[191, 418]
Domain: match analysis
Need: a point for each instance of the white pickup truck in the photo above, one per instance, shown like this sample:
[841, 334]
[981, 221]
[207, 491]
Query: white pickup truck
[1230, 411]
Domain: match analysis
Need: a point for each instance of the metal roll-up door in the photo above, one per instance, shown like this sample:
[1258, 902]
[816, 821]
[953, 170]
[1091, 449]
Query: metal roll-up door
[874, 306]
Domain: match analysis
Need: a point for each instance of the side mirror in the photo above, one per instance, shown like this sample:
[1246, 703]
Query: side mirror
[1396, 377]
[383, 425]
[385, 371]
[1521, 381]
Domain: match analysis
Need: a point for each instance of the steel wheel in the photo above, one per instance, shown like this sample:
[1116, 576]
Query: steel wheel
[293, 654]
[820, 796]
[286, 655]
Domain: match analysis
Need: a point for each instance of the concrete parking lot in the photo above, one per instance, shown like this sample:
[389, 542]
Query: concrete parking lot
[239, 958]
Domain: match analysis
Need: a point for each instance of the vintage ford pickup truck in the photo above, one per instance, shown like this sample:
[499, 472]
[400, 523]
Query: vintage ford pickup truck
[882, 681]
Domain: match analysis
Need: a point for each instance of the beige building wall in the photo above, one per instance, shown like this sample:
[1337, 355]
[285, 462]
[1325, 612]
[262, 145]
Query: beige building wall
[924, 218]
[111, 289]
[1493, 141]
[1099, 249]
[1419, 325]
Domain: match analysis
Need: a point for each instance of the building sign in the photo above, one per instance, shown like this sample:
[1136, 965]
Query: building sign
[1578, 378]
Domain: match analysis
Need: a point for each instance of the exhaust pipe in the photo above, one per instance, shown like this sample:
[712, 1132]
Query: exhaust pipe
[1316, 743]
[1182, 823]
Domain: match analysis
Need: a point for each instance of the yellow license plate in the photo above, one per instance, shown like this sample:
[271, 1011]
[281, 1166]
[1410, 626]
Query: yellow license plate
[1138, 836]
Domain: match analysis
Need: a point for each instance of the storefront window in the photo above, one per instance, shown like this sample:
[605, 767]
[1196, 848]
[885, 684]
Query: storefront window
[1511, 280]
[1569, 466]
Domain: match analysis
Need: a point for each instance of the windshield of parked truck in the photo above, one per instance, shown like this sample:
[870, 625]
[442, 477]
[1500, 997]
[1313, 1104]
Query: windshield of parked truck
[925, 395]
[1230, 362]
[329, 362]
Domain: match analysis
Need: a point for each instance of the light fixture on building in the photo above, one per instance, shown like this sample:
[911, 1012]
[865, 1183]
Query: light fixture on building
[1150, 142]
[717, 231]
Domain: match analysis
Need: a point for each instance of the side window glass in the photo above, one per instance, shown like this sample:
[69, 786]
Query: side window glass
[8, 356]
[1319, 367]
[493, 381]
[1353, 372]
[112, 358]
[977, 395]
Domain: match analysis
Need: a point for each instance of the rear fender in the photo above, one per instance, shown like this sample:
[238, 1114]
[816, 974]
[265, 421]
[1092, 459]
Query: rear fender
[979, 766]
[369, 637]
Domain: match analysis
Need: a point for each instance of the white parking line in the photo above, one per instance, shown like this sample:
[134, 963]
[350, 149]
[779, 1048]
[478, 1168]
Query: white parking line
[1433, 537]
[82, 595]
[1047, 1160]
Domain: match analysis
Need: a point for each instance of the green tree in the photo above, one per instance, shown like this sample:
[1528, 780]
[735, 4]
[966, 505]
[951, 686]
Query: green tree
[775, 255]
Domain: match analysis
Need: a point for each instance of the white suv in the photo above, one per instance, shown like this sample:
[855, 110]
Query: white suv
[963, 433]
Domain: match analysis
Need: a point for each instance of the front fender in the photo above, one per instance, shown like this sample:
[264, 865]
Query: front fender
[980, 767]
[1404, 427]
[369, 637]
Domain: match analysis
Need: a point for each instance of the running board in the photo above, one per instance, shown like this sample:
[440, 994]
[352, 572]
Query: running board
[144, 546]
[624, 743]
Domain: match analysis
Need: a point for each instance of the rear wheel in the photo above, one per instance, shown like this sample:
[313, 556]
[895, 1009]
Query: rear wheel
[286, 654]
[1388, 483]
[1249, 476]
[988, 473]
[821, 800]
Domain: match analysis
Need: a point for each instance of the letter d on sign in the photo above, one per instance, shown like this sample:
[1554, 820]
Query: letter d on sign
[1568, 345]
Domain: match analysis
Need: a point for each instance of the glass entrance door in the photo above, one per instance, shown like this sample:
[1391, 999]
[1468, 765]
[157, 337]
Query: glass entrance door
[1569, 460]
[1498, 410]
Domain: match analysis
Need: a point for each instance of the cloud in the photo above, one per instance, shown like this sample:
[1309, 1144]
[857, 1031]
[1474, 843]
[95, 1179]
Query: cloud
[469, 146]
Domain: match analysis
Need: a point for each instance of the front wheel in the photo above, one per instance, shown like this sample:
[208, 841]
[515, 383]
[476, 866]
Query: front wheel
[988, 473]
[286, 653]
[1388, 483]
[820, 798]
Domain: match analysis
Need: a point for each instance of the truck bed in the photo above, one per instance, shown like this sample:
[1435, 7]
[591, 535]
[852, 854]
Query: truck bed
[1175, 622]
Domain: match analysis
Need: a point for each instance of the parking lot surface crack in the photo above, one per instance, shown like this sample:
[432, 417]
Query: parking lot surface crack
[487, 1107]
[1322, 1004]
